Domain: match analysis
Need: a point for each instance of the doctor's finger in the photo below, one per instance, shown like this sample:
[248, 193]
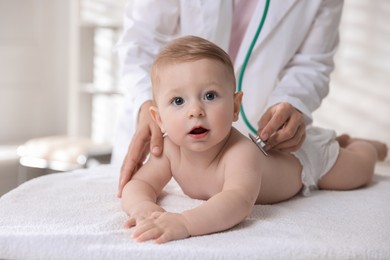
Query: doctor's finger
[293, 143]
[133, 158]
[276, 122]
[265, 118]
[289, 130]
[156, 141]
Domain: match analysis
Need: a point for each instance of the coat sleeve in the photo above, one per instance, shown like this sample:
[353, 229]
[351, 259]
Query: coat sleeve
[148, 25]
[304, 81]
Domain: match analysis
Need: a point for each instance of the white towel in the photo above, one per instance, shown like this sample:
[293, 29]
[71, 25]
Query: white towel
[76, 215]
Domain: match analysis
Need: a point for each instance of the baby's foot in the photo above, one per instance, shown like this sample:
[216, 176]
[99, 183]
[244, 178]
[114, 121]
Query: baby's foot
[343, 140]
[381, 148]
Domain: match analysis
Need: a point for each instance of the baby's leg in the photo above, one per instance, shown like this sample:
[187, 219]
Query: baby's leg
[381, 148]
[355, 164]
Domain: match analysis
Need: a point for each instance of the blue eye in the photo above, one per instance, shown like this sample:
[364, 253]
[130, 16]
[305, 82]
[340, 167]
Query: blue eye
[177, 101]
[210, 96]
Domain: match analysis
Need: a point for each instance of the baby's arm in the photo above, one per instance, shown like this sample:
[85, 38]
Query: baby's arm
[140, 194]
[233, 204]
[222, 211]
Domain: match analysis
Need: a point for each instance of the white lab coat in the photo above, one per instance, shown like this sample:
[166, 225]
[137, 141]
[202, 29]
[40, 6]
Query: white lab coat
[291, 60]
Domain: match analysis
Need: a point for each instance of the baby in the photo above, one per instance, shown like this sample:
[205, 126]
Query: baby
[195, 106]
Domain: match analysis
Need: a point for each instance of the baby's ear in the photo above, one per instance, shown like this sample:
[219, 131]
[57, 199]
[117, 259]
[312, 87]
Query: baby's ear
[237, 105]
[156, 116]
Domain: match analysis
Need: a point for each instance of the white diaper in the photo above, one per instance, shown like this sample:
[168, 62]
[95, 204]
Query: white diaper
[317, 155]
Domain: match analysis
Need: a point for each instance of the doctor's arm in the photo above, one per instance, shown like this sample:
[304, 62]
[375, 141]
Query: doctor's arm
[303, 83]
[148, 25]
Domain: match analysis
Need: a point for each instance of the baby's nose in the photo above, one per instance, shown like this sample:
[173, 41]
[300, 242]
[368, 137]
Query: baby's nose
[196, 110]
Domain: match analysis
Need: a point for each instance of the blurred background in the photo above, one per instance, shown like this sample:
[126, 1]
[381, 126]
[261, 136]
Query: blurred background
[60, 94]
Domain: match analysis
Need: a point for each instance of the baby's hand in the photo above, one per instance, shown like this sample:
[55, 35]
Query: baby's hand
[162, 227]
[141, 212]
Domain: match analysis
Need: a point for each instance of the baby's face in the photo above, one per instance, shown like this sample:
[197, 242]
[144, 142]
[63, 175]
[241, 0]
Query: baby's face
[196, 103]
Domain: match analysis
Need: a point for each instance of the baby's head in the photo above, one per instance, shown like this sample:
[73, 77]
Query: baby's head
[194, 92]
[187, 49]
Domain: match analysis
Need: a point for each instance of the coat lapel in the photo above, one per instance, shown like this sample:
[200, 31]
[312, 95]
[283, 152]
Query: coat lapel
[277, 10]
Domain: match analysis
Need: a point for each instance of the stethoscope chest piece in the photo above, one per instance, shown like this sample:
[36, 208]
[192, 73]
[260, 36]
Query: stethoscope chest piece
[259, 143]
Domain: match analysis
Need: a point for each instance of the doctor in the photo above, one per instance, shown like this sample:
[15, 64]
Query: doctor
[285, 80]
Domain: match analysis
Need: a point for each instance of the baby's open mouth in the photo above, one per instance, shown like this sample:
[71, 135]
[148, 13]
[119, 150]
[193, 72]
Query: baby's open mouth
[198, 131]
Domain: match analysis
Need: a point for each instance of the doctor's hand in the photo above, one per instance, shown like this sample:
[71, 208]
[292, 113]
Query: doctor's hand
[147, 137]
[282, 127]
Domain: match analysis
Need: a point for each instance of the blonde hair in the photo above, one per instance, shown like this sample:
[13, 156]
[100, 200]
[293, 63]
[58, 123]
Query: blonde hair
[191, 48]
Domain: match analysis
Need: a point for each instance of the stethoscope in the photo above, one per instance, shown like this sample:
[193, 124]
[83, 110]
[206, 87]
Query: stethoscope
[256, 139]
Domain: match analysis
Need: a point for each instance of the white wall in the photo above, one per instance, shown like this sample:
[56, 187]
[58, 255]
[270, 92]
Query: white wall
[35, 78]
[34, 53]
[359, 100]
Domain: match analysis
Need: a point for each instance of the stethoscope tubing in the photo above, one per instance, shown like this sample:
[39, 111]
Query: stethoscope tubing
[245, 63]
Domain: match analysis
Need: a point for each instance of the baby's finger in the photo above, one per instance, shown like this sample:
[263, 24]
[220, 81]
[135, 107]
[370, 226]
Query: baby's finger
[163, 239]
[156, 214]
[148, 235]
[129, 223]
[145, 232]
[143, 226]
